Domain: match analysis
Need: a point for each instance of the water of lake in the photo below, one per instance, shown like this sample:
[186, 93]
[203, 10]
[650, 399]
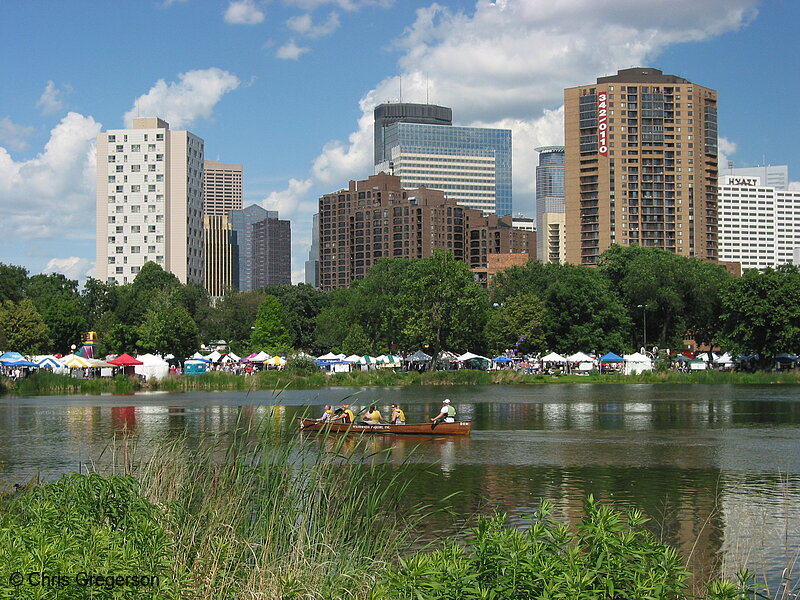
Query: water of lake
[716, 467]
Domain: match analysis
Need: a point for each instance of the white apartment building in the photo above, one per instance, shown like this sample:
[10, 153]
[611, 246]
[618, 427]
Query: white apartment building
[759, 226]
[149, 202]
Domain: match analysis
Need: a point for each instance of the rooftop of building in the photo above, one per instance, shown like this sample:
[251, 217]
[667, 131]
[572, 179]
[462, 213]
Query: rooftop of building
[641, 75]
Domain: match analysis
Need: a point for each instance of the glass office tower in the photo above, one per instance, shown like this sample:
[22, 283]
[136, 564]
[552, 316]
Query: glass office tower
[472, 165]
[550, 204]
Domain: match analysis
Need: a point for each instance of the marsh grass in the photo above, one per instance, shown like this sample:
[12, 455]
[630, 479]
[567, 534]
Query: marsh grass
[262, 516]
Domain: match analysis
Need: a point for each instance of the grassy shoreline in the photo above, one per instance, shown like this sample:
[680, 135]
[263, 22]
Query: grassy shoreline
[48, 383]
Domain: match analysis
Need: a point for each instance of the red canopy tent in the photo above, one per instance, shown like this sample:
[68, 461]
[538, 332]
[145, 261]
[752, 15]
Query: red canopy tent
[127, 362]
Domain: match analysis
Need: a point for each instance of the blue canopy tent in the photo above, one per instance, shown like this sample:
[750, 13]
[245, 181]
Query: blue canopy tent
[502, 359]
[11, 357]
[22, 363]
[610, 357]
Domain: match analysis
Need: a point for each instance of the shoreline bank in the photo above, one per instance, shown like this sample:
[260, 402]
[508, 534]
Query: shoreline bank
[48, 383]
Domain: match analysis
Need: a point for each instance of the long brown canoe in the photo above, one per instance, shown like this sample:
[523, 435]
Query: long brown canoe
[457, 428]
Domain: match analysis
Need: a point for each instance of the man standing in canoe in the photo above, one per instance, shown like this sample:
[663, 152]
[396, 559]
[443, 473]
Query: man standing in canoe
[447, 414]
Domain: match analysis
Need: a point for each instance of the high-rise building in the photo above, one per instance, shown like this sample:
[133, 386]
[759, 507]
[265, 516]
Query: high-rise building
[471, 165]
[405, 112]
[242, 222]
[776, 176]
[222, 188]
[312, 264]
[379, 218]
[640, 165]
[149, 201]
[758, 223]
[550, 205]
[221, 255]
[222, 193]
[264, 247]
[272, 246]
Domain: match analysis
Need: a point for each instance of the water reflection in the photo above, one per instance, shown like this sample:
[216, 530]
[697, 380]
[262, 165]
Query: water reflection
[716, 468]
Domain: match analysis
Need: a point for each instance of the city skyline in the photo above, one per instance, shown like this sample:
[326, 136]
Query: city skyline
[286, 90]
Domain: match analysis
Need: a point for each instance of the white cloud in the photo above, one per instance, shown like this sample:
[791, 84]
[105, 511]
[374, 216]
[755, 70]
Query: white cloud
[349, 5]
[506, 64]
[243, 12]
[304, 25]
[53, 194]
[14, 136]
[291, 51]
[727, 149]
[72, 267]
[50, 101]
[181, 103]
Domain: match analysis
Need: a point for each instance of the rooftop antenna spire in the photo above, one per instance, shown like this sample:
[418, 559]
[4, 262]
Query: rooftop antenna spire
[427, 90]
[401, 87]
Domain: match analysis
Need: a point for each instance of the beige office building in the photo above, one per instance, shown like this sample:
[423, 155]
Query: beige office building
[640, 165]
[149, 202]
[222, 188]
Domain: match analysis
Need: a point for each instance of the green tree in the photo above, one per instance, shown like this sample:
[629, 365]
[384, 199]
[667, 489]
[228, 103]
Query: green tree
[58, 302]
[12, 282]
[271, 331]
[168, 328]
[761, 312]
[232, 319]
[441, 305]
[22, 327]
[517, 324]
[370, 303]
[664, 289]
[98, 298]
[582, 312]
[356, 342]
[302, 303]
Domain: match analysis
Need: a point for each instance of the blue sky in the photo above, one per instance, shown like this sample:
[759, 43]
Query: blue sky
[287, 87]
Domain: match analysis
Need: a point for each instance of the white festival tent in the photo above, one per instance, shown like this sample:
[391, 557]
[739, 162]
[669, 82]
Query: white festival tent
[726, 360]
[553, 357]
[353, 358]
[636, 363]
[469, 356]
[214, 356]
[585, 362]
[231, 357]
[154, 367]
[261, 357]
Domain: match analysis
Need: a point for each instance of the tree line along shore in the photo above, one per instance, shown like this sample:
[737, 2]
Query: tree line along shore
[635, 297]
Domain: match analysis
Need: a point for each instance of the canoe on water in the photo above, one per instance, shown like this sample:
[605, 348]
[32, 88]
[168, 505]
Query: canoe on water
[457, 428]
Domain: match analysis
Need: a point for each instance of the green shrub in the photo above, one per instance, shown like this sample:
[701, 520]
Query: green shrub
[85, 524]
[606, 558]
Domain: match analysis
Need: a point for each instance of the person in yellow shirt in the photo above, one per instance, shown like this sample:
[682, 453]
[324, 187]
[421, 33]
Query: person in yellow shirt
[344, 414]
[398, 416]
[373, 416]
